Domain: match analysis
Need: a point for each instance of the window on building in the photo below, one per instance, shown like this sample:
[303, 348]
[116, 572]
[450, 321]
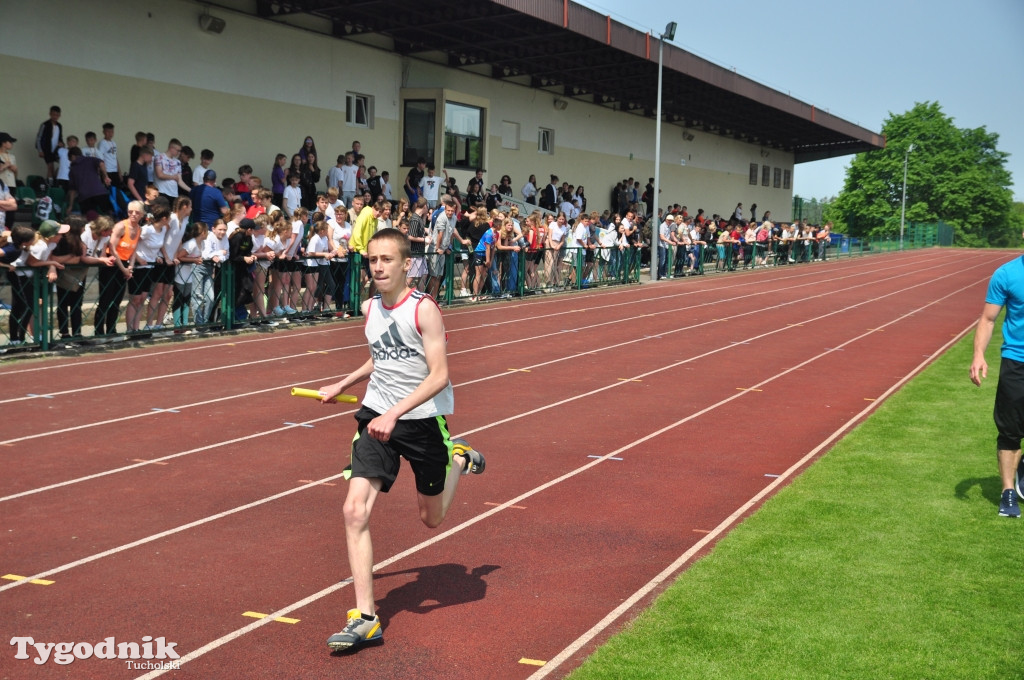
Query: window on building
[509, 135]
[787, 179]
[778, 178]
[463, 140]
[418, 135]
[766, 175]
[546, 141]
[753, 174]
[358, 110]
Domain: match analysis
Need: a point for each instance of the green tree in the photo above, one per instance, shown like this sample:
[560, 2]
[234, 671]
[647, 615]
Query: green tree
[953, 174]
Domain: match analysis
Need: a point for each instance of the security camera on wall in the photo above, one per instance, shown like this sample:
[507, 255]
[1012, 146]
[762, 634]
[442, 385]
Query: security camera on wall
[211, 24]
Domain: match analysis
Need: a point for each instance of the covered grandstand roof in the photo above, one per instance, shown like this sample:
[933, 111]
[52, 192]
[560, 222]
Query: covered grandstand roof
[578, 53]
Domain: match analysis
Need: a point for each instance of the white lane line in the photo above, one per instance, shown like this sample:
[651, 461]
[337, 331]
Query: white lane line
[184, 527]
[284, 336]
[599, 459]
[509, 342]
[233, 635]
[726, 524]
[504, 374]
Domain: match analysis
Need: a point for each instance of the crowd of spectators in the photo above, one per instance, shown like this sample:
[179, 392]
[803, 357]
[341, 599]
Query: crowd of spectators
[159, 232]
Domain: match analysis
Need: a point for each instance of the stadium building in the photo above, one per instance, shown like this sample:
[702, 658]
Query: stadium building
[517, 87]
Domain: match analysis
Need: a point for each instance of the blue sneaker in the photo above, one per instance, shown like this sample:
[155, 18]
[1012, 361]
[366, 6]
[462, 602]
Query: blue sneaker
[1018, 479]
[357, 633]
[1008, 504]
[474, 459]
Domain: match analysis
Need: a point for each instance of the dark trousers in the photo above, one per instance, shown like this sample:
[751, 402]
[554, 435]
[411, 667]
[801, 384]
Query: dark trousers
[112, 288]
[69, 308]
[21, 306]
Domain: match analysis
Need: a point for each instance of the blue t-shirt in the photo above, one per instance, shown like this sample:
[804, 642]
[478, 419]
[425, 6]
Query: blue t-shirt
[207, 202]
[1006, 288]
[485, 240]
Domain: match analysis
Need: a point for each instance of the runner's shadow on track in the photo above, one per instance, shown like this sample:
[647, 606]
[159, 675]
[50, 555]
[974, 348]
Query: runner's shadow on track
[437, 586]
[991, 488]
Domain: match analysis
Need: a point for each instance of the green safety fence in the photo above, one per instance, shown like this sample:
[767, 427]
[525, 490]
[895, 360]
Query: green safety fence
[91, 304]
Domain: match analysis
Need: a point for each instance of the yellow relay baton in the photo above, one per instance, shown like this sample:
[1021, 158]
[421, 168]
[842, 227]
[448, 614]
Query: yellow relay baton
[314, 394]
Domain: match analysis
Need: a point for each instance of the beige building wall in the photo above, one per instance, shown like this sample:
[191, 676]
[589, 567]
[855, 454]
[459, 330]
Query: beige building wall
[259, 88]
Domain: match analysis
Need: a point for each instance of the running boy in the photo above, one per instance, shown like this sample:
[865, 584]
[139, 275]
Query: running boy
[403, 416]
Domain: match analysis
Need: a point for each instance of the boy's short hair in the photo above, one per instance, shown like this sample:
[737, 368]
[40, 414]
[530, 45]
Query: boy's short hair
[108, 126]
[341, 158]
[54, 109]
[385, 174]
[140, 135]
[186, 150]
[332, 194]
[206, 155]
[395, 236]
[89, 134]
[70, 137]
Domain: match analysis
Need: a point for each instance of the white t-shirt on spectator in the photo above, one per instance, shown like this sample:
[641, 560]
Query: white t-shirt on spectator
[348, 177]
[292, 199]
[108, 154]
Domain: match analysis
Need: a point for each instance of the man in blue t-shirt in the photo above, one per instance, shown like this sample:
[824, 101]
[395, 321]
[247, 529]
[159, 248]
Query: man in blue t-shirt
[208, 200]
[1005, 289]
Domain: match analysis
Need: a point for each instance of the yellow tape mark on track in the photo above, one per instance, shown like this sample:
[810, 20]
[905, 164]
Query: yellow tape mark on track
[532, 662]
[748, 389]
[151, 462]
[279, 619]
[868, 399]
[519, 370]
[514, 507]
[37, 581]
[310, 481]
[629, 380]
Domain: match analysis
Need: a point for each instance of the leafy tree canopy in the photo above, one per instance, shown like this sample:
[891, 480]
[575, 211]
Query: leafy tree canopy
[957, 175]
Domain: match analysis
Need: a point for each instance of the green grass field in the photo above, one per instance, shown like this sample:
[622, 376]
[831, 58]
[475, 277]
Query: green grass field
[885, 559]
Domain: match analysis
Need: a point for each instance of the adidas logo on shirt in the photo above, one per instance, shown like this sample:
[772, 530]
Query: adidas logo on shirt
[391, 346]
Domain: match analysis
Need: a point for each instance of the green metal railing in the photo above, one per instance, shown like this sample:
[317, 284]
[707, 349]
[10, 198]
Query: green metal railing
[57, 312]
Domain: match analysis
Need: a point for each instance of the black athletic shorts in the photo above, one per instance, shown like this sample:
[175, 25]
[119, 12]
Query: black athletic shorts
[141, 281]
[424, 443]
[163, 273]
[1009, 410]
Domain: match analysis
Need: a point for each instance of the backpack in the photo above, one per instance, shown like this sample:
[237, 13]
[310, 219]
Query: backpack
[119, 200]
[44, 208]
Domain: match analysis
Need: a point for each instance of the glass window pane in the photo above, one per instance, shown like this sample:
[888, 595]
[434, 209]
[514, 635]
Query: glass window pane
[463, 145]
[418, 135]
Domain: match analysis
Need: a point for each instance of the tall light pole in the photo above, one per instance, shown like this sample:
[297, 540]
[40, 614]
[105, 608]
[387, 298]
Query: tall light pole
[669, 34]
[903, 209]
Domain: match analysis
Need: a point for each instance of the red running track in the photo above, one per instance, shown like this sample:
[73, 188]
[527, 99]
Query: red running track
[169, 490]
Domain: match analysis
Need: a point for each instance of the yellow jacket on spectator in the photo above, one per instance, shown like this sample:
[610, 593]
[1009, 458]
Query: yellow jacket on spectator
[363, 230]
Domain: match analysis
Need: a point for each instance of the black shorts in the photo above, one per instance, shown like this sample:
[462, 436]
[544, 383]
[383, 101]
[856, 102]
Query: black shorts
[1009, 409]
[163, 273]
[141, 281]
[424, 443]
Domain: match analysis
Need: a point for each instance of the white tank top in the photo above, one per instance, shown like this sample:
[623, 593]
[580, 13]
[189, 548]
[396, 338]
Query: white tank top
[399, 361]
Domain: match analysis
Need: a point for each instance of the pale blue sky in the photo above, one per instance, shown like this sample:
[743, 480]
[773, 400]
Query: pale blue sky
[861, 61]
